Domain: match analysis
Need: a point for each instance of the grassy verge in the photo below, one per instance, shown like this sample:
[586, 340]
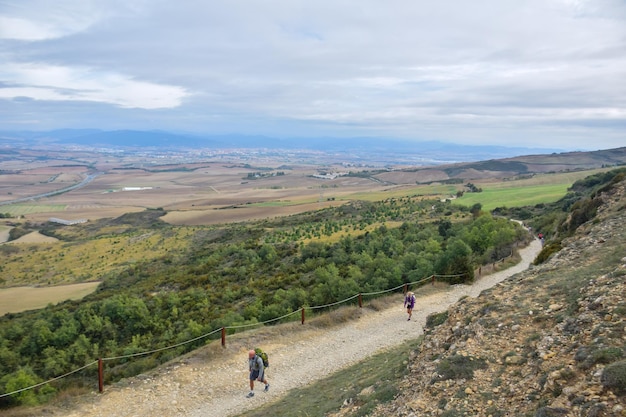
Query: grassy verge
[366, 384]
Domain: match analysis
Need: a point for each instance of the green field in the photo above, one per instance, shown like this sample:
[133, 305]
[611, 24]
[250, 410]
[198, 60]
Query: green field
[23, 209]
[419, 190]
[525, 192]
[490, 198]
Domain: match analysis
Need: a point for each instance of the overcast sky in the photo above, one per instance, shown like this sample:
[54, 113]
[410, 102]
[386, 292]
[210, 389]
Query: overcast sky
[540, 73]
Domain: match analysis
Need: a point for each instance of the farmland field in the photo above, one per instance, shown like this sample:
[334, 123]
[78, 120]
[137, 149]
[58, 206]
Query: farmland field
[17, 210]
[545, 188]
[200, 194]
[490, 198]
[218, 191]
[15, 300]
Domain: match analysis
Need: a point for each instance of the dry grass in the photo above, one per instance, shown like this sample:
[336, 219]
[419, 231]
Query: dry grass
[4, 233]
[34, 237]
[56, 263]
[15, 300]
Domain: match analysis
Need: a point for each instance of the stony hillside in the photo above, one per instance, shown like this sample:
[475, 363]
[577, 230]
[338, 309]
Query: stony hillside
[550, 341]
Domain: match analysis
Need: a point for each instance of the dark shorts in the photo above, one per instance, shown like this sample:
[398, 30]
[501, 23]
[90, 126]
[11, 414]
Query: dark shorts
[254, 375]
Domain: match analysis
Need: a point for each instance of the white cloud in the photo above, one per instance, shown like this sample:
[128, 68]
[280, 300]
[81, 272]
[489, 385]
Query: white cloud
[38, 21]
[22, 29]
[56, 83]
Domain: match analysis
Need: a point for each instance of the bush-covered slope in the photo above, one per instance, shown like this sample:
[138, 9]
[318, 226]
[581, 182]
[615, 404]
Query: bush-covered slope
[549, 342]
[237, 274]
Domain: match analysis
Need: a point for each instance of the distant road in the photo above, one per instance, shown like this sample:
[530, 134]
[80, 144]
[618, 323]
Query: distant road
[84, 182]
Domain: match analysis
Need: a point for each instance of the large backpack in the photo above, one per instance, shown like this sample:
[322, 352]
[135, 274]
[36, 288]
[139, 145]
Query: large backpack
[263, 356]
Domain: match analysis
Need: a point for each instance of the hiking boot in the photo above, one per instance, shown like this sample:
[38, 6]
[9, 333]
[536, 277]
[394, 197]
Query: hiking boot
[250, 394]
[267, 387]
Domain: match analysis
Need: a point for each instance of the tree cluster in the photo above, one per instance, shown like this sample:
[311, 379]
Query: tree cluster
[242, 274]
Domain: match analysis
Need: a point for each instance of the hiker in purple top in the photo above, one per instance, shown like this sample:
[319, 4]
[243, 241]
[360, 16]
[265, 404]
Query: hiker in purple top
[409, 303]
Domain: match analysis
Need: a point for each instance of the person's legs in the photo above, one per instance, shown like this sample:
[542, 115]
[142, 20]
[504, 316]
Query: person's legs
[253, 375]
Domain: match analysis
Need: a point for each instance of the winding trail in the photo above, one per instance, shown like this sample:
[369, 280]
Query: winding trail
[197, 386]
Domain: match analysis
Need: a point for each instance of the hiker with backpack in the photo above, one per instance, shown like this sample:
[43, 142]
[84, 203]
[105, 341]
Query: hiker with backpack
[409, 303]
[257, 371]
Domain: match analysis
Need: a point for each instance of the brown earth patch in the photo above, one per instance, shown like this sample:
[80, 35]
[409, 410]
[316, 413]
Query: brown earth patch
[17, 299]
[4, 233]
[34, 237]
[240, 214]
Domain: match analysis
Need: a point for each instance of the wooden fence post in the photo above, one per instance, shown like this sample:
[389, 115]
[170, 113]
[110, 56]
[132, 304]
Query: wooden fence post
[405, 288]
[302, 310]
[360, 301]
[223, 336]
[100, 376]
[432, 279]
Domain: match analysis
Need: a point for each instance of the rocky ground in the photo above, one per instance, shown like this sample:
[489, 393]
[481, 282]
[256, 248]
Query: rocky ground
[529, 347]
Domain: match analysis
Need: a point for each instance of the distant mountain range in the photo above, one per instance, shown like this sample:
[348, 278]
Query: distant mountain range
[366, 149]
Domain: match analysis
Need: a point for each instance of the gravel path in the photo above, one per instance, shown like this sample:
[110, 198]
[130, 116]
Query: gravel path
[197, 386]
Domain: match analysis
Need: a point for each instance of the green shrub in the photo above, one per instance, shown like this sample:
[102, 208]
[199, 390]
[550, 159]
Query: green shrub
[23, 379]
[458, 367]
[436, 319]
[546, 252]
[620, 310]
[607, 355]
[614, 377]
[551, 412]
[9, 249]
[582, 212]
[453, 413]
[588, 356]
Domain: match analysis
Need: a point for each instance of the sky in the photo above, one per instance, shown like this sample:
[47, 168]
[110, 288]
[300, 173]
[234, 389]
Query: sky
[533, 73]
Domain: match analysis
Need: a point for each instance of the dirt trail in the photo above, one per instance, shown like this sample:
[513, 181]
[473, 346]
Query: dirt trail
[195, 386]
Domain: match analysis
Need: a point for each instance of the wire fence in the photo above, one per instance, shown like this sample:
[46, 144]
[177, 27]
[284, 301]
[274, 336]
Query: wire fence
[100, 361]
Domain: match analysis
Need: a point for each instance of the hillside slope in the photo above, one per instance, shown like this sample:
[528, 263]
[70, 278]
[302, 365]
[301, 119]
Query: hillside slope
[197, 385]
[551, 341]
[536, 344]
[509, 167]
